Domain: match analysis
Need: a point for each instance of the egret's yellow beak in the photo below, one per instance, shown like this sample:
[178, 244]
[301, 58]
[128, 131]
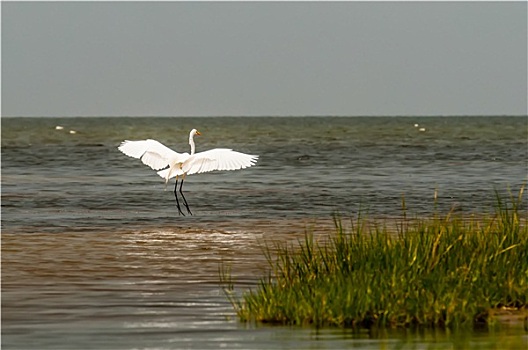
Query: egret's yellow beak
[198, 133]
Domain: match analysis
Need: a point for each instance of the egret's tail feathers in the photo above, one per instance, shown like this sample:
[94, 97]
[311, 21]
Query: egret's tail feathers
[169, 173]
[164, 174]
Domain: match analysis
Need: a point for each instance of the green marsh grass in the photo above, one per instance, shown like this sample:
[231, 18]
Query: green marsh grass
[445, 271]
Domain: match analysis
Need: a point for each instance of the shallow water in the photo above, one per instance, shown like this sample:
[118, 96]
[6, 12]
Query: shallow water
[160, 290]
[94, 254]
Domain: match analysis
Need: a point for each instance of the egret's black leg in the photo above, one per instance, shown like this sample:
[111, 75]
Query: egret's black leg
[184, 200]
[176, 196]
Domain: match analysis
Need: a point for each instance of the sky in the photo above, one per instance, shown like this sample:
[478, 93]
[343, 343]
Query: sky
[263, 58]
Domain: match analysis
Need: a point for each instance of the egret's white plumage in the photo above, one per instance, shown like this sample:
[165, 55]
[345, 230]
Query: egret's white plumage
[152, 153]
[169, 163]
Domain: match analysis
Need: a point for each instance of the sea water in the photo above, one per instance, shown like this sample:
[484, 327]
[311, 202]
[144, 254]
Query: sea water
[96, 256]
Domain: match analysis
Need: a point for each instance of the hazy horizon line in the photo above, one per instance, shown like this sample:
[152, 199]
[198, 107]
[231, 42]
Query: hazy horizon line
[269, 116]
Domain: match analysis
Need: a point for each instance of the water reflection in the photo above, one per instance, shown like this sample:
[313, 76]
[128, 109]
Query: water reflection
[158, 282]
[160, 289]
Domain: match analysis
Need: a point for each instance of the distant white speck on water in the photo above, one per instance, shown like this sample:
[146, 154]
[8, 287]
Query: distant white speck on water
[415, 125]
[422, 129]
[73, 132]
[58, 127]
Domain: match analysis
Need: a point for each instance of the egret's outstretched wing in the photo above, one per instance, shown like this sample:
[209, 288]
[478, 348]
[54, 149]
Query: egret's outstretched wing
[217, 159]
[151, 152]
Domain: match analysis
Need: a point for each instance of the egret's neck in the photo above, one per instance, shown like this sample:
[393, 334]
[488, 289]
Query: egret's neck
[191, 143]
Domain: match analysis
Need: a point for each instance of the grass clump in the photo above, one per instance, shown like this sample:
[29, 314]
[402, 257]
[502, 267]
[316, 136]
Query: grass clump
[445, 271]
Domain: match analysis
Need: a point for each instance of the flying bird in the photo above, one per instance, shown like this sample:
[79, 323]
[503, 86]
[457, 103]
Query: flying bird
[169, 163]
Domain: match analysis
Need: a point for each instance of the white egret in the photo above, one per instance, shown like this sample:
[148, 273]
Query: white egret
[169, 163]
